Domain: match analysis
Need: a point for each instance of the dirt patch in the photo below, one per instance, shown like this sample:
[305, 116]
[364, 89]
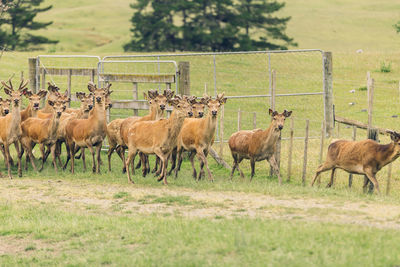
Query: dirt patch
[125, 200]
[26, 246]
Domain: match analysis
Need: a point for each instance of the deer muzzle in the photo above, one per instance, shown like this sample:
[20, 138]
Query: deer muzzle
[98, 99]
[190, 114]
[6, 111]
[162, 107]
[201, 114]
[214, 113]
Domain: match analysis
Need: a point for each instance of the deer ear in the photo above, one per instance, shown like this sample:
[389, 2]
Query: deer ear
[7, 91]
[42, 93]
[145, 96]
[91, 87]
[270, 111]
[51, 103]
[287, 113]
[27, 93]
[79, 95]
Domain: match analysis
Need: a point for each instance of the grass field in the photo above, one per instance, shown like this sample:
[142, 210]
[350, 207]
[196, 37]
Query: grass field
[85, 219]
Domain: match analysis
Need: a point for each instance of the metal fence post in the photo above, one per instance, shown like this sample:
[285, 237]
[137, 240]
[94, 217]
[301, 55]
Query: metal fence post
[328, 91]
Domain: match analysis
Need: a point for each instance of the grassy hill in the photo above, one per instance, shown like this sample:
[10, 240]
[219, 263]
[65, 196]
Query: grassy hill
[340, 25]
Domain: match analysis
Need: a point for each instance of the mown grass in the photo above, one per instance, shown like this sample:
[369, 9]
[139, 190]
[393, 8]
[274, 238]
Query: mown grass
[50, 236]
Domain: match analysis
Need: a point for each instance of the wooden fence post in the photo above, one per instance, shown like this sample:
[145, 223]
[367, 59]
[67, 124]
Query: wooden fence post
[278, 143]
[32, 74]
[184, 77]
[290, 148]
[305, 154]
[69, 81]
[328, 92]
[221, 132]
[135, 97]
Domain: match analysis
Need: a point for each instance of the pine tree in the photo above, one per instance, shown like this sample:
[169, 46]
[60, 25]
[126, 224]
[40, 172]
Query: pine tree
[17, 23]
[207, 25]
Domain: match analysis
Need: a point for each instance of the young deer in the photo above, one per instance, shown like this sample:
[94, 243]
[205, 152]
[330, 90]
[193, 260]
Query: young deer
[88, 132]
[53, 95]
[10, 125]
[157, 103]
[197, 135]
[157, 137]
[365, 157]
[34, 103]
[258, 145]
[42, 132]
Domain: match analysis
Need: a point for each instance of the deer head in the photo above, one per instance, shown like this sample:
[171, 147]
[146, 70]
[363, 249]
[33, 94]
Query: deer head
[15, 95]
[34, 99]
[278, 120]
[213, 105]
[98, 93]
[86, 101]
[181, 106]
[4, 106]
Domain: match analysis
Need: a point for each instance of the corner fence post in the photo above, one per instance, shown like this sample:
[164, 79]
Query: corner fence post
[32, 74]
[328, 91]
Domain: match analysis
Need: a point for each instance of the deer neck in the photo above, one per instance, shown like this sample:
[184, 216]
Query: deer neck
[30, 111]
[388, 154]
[99, 114]
[211, 125]
[15, 119]
[53, 126]
[175, 123]
[270, 135]
[47, 108]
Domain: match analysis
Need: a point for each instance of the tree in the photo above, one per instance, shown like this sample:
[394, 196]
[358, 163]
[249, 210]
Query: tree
[17, 23]
[207, 25]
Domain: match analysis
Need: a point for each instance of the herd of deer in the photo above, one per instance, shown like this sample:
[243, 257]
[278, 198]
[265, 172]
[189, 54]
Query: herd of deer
[86, 127]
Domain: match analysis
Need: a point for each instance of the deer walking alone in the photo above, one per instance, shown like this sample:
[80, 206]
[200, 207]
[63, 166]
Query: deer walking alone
[258, 144]
[365, 157]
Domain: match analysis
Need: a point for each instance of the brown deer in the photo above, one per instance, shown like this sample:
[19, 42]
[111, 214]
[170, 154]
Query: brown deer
[157, 103]
[88, 132]
[4, 106]
[258, 144]
[42, 132]
[197, 135]
[53, 95]
[157, 137]
[365, 157]
[83, 113]
[34, 103]
[10, 125]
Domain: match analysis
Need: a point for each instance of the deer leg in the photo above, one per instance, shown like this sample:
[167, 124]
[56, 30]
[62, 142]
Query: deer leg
[77, 150]
[98, 150]
[31, 158]
[16, 144]
[4, 154]
[131, 157]
[155, 169]
[322, 168]
[240, 170]
[93, 157]
[179, 157]
[142, 158]
[203, 158]
[72, 156]
[191, 158]
[173, 161]
[163, 164]
[372, 179]
[122, 151]
[366, 180]
[139, 164]
[252, 165]
[233, 168]
[68, 155]
[332, 177]
[274, 165]
[42, 150]
[8, 156]
[53, 155]
[83, 158]
[111, 149]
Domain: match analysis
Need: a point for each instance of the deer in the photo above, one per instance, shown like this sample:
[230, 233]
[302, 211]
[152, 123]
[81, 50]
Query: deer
[53, 95]
[365, 157]
[157, 137]
[34, 103]
[4, 106]
[88, 132]
[197, 135]
[157, 102]
[42, 132]
[258, 144]
[83, 113]
[10, 125]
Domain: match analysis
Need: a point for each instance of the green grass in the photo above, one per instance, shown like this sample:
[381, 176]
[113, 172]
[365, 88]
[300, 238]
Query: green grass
[77, 238]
